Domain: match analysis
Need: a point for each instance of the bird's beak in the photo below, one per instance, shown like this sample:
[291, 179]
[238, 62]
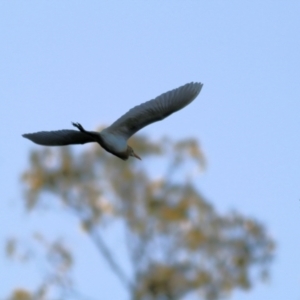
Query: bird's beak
[135, 155]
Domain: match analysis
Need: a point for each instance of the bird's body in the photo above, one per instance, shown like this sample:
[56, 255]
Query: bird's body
[114, 138]
[114, 144]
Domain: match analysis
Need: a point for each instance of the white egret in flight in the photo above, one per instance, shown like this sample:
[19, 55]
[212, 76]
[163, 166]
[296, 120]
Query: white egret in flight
[114, 138]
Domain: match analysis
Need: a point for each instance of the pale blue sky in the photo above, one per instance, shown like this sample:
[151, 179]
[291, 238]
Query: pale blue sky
[90, 61]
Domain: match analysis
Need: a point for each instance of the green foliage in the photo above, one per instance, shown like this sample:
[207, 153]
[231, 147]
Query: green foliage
[178, 243]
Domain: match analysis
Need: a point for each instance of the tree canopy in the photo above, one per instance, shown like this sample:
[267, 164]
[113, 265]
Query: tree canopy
[177, 241]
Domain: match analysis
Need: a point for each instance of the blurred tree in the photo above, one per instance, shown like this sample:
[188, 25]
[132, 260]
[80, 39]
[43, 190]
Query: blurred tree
[177, 242]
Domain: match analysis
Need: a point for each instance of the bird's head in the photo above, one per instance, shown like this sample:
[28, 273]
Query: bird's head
[130, 152]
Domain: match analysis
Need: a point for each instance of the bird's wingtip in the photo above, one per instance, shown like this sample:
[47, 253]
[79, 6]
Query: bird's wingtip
[197, 86]
[197, 83]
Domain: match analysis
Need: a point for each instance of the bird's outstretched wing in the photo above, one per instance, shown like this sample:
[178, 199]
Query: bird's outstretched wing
[154, 110]
[59, 138]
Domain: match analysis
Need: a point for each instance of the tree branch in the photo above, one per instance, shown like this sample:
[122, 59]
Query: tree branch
[98, 241]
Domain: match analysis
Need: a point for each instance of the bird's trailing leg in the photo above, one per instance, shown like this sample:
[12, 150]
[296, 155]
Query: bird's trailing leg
[94, 135]
[79, 126]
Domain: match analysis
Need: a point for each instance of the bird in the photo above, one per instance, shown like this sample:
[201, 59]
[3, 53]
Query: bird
[114, 138]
